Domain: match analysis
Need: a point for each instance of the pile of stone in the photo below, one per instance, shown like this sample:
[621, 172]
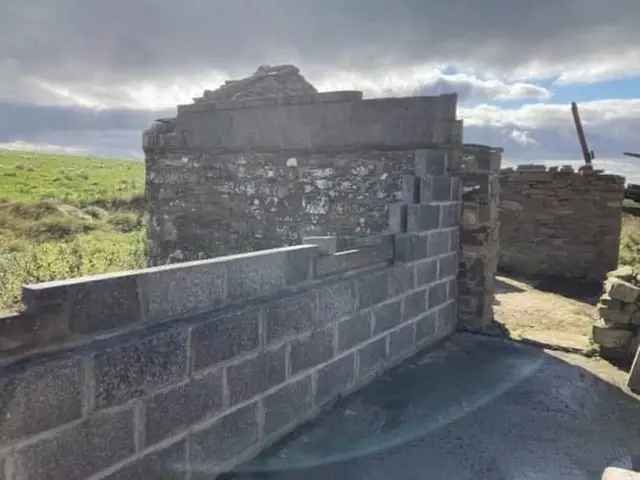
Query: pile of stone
[267, 81]
[617, 331]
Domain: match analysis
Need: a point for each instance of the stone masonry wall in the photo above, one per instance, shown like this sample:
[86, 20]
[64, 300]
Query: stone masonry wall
[227, 177]
[559, 222]
[185, 370]
[479, 236]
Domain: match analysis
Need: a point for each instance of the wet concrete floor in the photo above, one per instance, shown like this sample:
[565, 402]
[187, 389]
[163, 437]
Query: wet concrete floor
[475, 408]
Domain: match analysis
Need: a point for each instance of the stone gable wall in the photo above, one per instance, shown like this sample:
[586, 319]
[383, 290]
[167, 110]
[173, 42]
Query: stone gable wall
[234, 176]
[560, 222]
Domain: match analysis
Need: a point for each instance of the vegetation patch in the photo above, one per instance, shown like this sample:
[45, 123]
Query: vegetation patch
[65, 216]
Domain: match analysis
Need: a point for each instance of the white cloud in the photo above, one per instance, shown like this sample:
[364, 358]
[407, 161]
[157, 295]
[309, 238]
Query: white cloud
[429, 80]
[20, 145]
[522, 137]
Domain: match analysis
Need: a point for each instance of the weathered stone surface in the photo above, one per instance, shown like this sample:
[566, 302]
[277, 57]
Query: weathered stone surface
[623, 291]
[623, 273]
[169, 463]
[372, 357]
[448, 266]
[449, 216]
[415, 304]
[614, 317]
[79, 451]
[224, 337]
[255, 375]
[442, 188]
[354, 330]
[312, 350]
[267, 81]
[288, 404]
[292, 316]
[35, 398]
[402, 341]
[387, 316]
[373, 289]
[176, 409]
[335, 378]
[139, 367]
[224, 439]
[611, 337]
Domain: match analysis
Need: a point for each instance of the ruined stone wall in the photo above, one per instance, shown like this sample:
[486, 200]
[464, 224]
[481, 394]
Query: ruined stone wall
[226, 177]
[559, 222]
[479, 236]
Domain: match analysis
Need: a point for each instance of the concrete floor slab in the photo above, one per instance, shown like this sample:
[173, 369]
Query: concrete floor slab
[475, 408]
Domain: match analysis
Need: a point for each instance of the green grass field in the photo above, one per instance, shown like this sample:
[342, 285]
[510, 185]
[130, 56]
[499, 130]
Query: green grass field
[63, 216]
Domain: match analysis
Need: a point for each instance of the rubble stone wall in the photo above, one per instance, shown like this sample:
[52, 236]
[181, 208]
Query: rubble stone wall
[479, 232]
[227, 177]
[559, 222]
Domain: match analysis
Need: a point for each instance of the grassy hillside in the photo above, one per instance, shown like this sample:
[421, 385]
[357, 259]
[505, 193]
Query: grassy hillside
[63, 216]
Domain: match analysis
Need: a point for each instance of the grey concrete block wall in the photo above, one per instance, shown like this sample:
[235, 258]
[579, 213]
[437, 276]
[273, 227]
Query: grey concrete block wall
[196, 393]
[560, 222]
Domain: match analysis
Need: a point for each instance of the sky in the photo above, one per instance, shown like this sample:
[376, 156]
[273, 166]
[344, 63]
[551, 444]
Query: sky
[87, 76]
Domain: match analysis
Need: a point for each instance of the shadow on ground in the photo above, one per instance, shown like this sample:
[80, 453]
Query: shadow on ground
[476, 408]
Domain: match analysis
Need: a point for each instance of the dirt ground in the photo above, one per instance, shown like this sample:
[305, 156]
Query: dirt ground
[546, 318]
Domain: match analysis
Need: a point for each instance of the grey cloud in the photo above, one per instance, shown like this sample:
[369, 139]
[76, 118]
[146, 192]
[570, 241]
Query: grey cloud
[82, 42]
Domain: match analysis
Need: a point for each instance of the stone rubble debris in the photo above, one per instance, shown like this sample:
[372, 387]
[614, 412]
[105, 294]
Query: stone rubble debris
[267, 81]
[617, 331]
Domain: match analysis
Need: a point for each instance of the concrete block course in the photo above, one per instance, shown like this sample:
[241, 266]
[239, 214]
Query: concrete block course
[335, 378]
[312, 350]
[39, 398]
[371, 357]
[169, 463]
[387, 316]
[146, 364]
[80, 450]
[353, 331]
[176, 409]
[228, 436]
[291, 316]
[289, 403]
[250, 377]
[224, 337]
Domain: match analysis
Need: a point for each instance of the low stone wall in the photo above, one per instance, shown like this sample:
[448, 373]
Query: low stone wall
[559, 222]
[479, 236]
[618, 330]
[183, 371]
